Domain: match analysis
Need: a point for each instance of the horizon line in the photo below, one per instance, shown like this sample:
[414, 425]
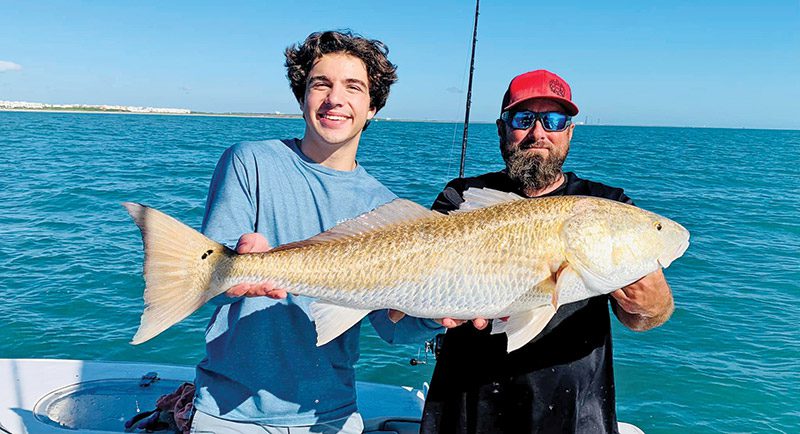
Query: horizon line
[96, 109]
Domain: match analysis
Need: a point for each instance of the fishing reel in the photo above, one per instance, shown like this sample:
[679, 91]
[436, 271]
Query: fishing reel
[432, 346]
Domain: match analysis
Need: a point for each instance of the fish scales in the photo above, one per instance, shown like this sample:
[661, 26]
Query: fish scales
[484, 249]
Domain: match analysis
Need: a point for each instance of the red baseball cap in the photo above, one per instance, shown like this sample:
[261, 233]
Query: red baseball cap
[539, 84]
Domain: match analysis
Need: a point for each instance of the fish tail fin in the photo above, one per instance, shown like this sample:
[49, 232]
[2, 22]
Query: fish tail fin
[178, 266]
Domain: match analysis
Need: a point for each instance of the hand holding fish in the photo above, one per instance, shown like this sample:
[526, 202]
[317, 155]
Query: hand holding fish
[254, 243]
[478, 323]
[646, 303]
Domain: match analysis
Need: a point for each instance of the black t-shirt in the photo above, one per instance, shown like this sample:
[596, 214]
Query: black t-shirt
[560, 382]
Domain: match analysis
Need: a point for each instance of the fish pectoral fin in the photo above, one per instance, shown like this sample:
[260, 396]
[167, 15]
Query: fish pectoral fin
[522, 327]
[571, 287]
[477, 198]
[331, 320]
[396, 211]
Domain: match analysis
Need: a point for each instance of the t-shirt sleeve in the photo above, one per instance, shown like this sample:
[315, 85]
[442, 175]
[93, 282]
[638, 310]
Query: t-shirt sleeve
[597, 189]
[408, 330]
[619, 195]
[231, 205]
[450, 198]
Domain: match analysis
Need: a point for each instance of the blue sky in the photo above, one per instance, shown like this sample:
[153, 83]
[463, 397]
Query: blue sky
[678, 63]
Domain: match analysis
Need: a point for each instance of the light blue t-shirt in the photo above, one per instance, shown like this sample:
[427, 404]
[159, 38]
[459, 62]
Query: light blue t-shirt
[262, 364]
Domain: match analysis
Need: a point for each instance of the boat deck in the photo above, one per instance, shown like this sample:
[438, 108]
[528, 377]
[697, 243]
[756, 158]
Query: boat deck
[47, 396]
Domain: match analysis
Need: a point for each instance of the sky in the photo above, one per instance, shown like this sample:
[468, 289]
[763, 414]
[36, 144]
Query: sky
[731, 64]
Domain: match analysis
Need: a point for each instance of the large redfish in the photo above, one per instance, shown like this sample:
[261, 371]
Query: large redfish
[498, 256]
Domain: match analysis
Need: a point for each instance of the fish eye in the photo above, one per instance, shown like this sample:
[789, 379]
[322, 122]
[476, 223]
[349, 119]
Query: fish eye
[657, 225]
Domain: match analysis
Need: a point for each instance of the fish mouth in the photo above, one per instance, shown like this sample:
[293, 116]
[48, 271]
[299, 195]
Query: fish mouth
[666, 260]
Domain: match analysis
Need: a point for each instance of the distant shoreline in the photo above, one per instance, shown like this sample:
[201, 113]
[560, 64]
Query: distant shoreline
[211, 114]
[122, 112]
[299, 116]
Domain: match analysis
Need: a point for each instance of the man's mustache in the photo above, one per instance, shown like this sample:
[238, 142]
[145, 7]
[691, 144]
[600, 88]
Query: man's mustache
[530, 144]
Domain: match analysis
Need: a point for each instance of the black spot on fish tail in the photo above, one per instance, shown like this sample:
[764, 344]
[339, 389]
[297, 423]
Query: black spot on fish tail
[207, 254]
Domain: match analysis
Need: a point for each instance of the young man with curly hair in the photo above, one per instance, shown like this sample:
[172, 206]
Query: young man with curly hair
[263, 371]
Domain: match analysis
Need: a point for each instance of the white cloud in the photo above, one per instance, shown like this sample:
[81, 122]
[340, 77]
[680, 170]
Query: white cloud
[9, 66]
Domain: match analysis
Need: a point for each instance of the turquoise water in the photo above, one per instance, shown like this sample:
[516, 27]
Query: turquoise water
[728, 360]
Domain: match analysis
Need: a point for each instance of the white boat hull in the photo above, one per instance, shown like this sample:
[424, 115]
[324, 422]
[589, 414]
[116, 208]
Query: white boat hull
[48, 396]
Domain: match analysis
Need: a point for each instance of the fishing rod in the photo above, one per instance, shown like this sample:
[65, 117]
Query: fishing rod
[469, 92]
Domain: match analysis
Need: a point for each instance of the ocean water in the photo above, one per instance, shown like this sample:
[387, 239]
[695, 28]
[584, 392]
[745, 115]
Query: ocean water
[728, 360]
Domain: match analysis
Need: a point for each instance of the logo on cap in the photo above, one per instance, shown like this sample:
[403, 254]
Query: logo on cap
[557, 88]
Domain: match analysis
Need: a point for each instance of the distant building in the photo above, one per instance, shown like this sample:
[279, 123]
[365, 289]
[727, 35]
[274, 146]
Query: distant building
[17, 105]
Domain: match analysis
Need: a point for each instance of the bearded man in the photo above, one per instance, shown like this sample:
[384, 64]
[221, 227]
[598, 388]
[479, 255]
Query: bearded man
[563, 380]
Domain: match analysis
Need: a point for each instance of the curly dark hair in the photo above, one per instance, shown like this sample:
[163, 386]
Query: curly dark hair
[300, 58]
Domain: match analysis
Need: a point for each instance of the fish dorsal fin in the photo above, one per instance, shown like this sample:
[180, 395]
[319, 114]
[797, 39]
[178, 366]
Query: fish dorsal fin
[477, 198]
[396, 211]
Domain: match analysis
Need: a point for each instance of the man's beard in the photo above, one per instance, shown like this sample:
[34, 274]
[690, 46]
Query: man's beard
[532, 171]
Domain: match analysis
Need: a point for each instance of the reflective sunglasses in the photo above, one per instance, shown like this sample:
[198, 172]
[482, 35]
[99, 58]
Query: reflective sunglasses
[523, 120]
